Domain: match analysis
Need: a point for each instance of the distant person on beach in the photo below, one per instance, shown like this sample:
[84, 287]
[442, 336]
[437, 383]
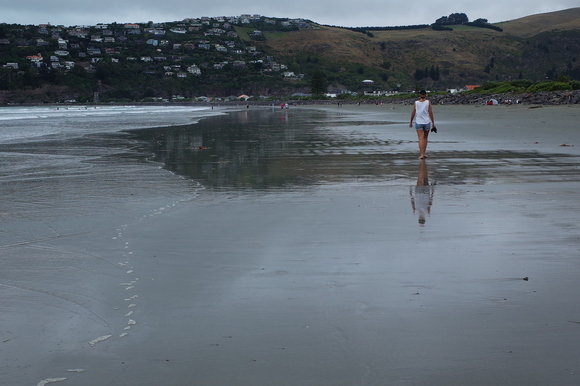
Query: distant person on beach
[422, 194]
[423, 116]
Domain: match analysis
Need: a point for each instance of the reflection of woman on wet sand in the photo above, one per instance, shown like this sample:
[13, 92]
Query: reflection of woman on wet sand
[422, 194]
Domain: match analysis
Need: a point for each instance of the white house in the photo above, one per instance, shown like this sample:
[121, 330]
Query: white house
[194, 69]
[35, 58]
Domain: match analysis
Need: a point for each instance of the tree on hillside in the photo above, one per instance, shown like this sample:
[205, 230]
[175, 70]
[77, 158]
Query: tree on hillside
[453, 19]
[318, 83]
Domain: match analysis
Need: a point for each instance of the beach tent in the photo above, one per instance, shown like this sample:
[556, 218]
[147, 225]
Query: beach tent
[492, 102]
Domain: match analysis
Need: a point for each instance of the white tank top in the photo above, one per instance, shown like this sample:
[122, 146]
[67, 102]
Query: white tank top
[422, 112]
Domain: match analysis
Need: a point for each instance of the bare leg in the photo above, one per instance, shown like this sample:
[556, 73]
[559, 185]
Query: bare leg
[422, 136]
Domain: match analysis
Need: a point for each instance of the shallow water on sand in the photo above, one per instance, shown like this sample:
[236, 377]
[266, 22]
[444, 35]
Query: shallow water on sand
[280, 149]
[289, 247]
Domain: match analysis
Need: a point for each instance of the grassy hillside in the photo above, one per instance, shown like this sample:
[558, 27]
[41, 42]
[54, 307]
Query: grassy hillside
[533, 47]
[528, 26]
[190, 58]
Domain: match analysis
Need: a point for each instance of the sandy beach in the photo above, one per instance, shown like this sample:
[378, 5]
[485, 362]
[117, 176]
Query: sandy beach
[273, 247]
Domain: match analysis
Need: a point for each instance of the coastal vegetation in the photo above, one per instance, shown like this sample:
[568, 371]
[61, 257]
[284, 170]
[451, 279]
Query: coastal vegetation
[271, 58]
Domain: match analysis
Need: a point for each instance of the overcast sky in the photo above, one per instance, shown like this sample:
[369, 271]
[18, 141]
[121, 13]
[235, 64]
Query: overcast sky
[348, 13]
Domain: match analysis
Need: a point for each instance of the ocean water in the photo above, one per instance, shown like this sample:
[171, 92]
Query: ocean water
[22, 124]
[60, 160]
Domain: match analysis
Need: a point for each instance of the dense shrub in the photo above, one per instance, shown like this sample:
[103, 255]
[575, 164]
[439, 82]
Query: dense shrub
[549, 86]
[522, 83]
[504, 88]
[490, 85]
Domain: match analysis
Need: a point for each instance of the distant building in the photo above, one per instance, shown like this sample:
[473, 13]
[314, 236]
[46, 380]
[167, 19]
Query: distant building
[35, 58]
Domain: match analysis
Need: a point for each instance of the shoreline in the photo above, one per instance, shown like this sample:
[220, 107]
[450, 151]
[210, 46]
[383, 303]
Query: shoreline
[546, 98]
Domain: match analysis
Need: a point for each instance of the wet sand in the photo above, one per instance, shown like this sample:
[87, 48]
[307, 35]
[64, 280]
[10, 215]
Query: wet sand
[309, 267]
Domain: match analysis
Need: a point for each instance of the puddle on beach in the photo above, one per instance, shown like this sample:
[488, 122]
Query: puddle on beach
[265, 149]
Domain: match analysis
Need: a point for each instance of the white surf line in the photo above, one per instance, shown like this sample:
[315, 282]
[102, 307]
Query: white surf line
[128, 286]
[50, 380]
[93, 342]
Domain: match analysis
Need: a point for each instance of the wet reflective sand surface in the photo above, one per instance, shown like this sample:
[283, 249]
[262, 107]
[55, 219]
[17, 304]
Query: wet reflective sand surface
[299, 247]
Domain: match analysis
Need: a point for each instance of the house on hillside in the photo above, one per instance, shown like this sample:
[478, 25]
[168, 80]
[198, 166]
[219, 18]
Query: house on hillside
[239, 64]
[194, 69]
[94, 51]
[35, 58]
[256, 34]
[79, 33]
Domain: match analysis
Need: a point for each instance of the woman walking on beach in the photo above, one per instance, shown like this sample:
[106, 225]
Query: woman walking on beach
[423, 116]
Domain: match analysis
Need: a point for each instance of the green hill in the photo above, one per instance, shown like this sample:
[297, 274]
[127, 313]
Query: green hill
[535, 47]
[214, 57]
